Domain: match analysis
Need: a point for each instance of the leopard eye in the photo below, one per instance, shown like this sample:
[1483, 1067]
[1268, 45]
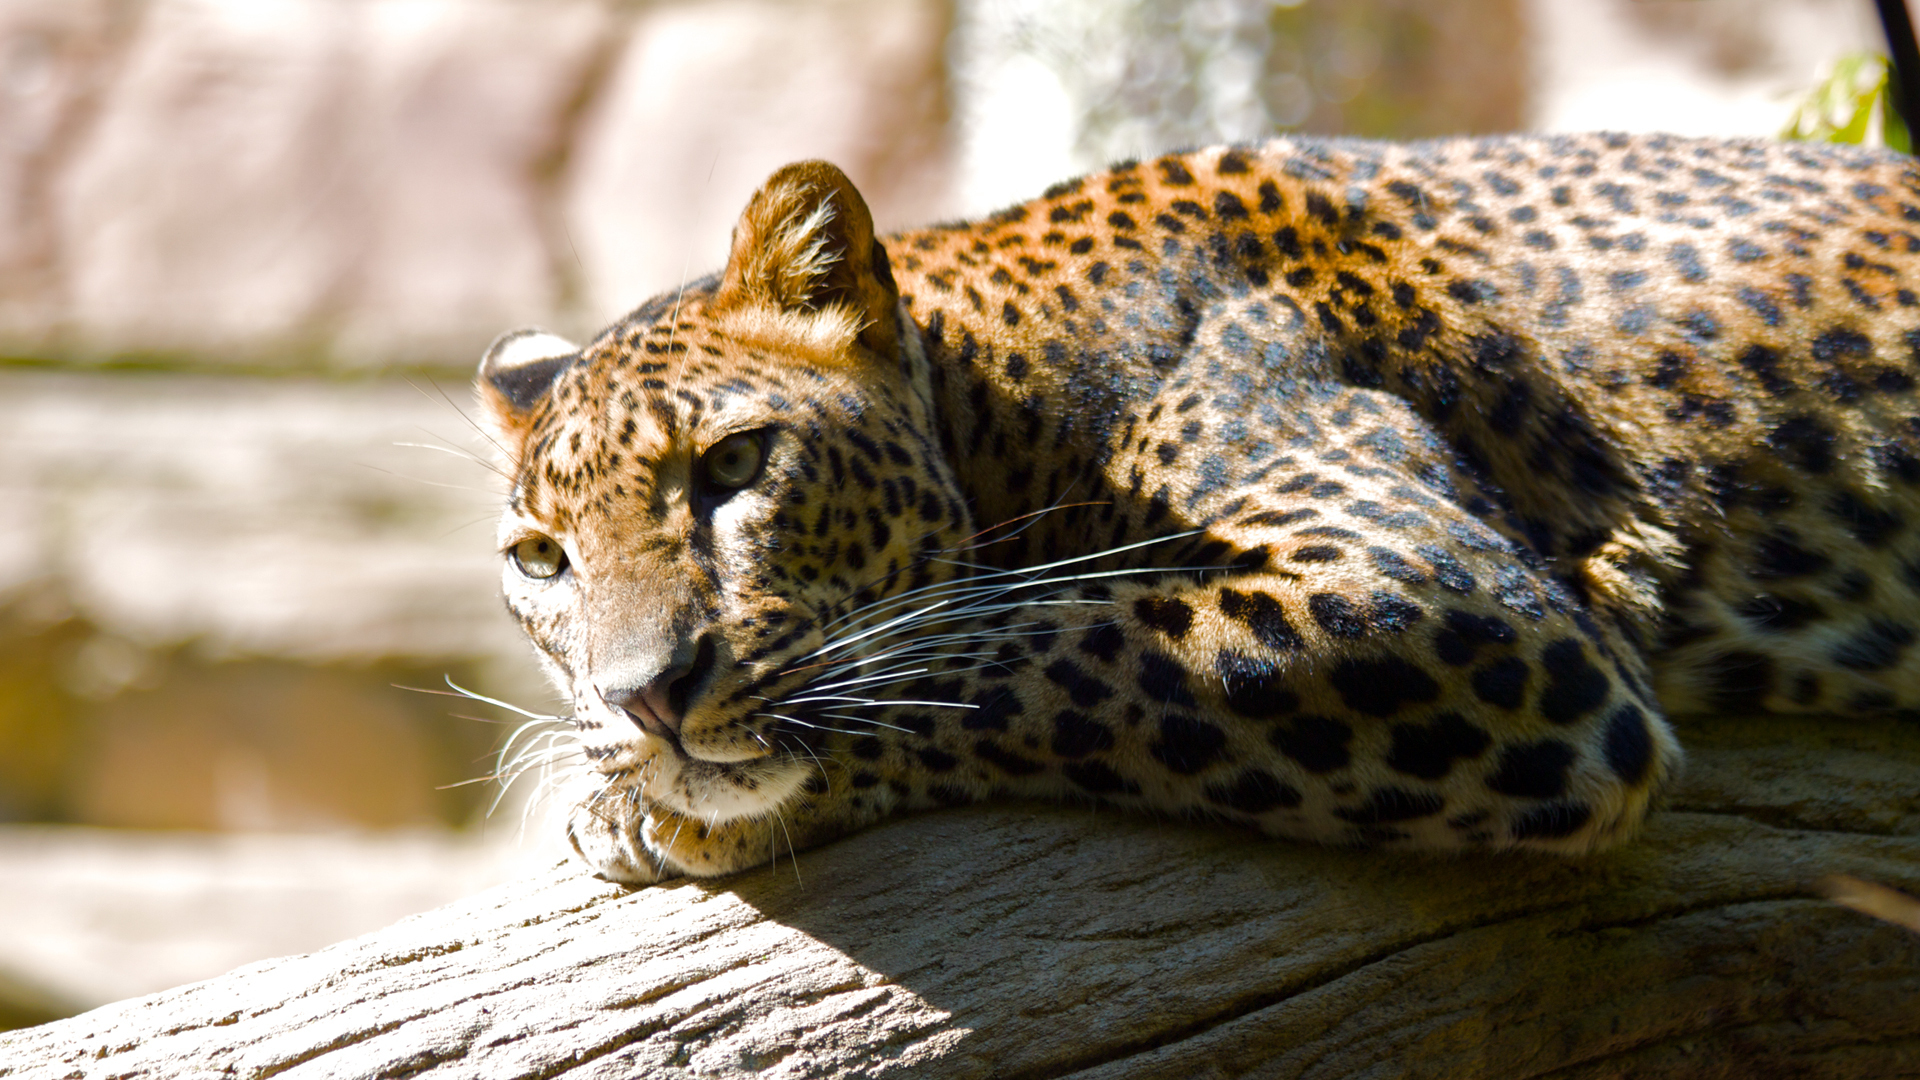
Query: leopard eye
[733, 462]
[538, 557]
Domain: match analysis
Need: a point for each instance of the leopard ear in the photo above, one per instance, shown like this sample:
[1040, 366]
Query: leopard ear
[805, 248]
[519, 370]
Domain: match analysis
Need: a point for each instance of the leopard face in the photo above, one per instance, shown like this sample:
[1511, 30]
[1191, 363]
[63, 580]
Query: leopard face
[707, 498]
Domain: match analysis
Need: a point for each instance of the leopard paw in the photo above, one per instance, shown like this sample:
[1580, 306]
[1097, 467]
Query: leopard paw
[605, 830]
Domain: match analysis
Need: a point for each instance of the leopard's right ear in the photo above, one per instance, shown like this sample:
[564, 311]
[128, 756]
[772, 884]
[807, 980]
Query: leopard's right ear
[806, 267]
[519, 370]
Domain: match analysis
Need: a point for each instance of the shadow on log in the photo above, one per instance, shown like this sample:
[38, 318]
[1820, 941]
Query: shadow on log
[1014, 941]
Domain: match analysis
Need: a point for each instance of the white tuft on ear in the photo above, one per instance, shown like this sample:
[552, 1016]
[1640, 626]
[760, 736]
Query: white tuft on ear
[517, 371]
[522, 347]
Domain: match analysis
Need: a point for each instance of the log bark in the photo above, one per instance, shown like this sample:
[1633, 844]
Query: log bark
[1019, 941]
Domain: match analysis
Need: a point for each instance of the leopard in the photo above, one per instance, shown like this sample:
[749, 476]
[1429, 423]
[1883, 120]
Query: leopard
[1382, 495]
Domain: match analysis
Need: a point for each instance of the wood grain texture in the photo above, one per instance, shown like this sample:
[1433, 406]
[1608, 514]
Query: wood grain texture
[1028, 942]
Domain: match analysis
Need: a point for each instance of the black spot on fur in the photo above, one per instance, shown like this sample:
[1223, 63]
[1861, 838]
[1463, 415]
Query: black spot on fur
[1551, 822]
[992, 709]
[1502, 683]
[1391, 804]
[1253, 685]
[1104, 641]
[1075, 736]
[1174, 172]
[1778, 614]
[1163, 679]
[1005, 760]
[1096, 777]
[1254, 791]
[1380, 687]
[1316, 553]
[1871, 525]
[1628, 744]
[1779, 556]
[1186, 744]
[1805, 442]
[1228, 206]
[1394, 614]
[1428, 751]
[1337, 615]
[1395, 565]
[1840, 341]
[1263, 615]
[1765, 365]
[1574, 686]
[1082, 689]
[1447, 570]
[1533, 770]
[1318, 743]
[1876, 647]
[1459, 641]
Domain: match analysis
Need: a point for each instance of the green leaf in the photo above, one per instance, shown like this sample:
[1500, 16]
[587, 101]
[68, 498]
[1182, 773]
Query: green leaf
[1843, 106]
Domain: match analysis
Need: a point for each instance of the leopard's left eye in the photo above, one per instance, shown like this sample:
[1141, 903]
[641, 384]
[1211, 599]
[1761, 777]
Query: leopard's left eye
[733, 462]
[538, 557]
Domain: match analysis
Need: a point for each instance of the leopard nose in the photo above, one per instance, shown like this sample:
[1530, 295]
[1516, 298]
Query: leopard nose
[650, 706]
[659, 704]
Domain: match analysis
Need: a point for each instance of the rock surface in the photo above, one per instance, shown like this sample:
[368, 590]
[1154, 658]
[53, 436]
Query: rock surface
[314, 184]
[1027, 942]
[290, 517]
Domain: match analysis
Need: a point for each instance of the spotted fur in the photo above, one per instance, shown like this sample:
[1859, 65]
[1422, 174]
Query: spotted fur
[1355, 492]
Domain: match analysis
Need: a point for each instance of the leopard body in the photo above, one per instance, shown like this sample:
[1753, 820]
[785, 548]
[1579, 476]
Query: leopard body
[1363, 493]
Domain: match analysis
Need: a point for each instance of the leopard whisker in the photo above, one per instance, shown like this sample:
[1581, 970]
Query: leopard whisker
[912, 650]
[461, 691]
[792, 852]
[804, 724]
[986, 662]
[543, 748]
[870, 631]
[478, 428]
[538, 729]
[1029, 520]
[866, 720]
[965, 545]
[544, 759]
[995, 583]
[463, 455]
[900, 673]
[901, 626]
[931, 704]
[924, 645]
[508, 753]
[549, 782]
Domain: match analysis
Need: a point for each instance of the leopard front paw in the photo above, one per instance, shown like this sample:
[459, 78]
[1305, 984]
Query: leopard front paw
[605, 830]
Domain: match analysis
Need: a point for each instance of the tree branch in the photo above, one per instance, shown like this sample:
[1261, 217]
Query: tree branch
[1025, 942]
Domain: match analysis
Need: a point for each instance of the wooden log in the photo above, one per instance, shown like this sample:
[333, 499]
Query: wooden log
[1020, 941]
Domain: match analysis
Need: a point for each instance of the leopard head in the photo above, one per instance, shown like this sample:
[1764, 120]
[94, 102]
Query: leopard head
[718, 496]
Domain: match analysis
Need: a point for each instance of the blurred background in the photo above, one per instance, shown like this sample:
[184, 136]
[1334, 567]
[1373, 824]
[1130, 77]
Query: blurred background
[251, 249]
